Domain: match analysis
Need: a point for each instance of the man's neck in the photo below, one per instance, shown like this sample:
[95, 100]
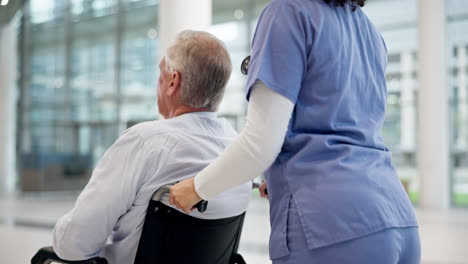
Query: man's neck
[183, 109]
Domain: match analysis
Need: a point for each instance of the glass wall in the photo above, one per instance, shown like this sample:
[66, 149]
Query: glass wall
[88, 70]
[231, 26]
[397, 22]
[234, 23]
[457, 29]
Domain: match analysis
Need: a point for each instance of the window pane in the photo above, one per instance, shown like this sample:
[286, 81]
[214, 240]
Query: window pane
[140, 59]
[69, 116]
[231, 24]
[397, 22]
[457, 20]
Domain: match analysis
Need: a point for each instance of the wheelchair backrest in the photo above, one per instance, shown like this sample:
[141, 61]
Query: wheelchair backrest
[170, 236]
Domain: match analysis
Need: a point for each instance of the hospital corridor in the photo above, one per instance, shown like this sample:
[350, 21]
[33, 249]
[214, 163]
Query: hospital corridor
[234, 132]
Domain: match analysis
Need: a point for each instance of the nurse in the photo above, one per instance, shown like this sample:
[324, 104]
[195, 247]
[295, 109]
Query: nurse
[317, 97]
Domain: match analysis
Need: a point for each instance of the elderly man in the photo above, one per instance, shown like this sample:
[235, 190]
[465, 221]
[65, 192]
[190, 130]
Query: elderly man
[108, 216]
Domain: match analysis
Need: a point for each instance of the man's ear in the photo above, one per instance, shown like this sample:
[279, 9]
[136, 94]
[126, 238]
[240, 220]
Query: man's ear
[175, 83]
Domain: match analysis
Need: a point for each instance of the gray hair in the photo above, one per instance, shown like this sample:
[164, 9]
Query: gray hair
[204, 65]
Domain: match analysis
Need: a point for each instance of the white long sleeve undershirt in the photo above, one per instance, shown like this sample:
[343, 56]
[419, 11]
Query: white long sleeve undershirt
[256, 147]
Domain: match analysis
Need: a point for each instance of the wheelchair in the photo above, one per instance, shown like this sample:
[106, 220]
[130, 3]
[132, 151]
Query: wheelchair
[167, 233]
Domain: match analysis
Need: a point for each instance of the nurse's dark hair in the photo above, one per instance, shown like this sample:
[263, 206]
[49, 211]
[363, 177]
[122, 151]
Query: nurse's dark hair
[355, 3]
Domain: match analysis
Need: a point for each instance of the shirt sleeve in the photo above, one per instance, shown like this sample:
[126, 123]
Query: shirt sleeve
[280, 48]
[256, 147]
[83, 232]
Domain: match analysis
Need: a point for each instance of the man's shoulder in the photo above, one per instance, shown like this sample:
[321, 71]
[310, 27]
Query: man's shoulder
[150, 129]
[178, 127]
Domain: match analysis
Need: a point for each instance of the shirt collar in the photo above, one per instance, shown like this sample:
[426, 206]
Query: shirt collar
[207, 114]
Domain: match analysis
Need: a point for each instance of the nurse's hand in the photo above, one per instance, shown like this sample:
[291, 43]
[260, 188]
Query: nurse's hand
[263, 190]
[184, 196]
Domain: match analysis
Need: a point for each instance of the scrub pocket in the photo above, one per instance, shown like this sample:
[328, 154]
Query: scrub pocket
[294, 240]
[279, 228]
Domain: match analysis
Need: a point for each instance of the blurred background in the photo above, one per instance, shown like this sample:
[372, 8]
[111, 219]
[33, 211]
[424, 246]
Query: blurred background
[75, 73]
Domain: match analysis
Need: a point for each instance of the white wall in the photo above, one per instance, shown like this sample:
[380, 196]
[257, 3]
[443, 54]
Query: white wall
[8, 74]
[433, 102]
[178, 15]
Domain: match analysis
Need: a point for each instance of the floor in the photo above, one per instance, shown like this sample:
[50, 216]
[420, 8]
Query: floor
[26, 223]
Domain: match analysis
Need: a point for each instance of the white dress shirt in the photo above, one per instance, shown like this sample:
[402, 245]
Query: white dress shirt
[108, 216]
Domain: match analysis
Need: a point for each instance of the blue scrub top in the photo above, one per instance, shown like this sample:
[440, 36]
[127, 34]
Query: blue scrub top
[330, 62]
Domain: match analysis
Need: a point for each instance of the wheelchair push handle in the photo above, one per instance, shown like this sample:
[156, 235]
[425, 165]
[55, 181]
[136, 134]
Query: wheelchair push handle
[256, 185]
[200, 206]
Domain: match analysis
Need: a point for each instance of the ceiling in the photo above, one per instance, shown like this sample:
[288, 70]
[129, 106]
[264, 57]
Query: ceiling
[7, 12]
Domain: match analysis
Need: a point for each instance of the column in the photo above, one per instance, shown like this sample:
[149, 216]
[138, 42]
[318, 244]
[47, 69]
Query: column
[433, 101]
[462, 98]
[178, 15]
[408, 106]
[8, 69]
